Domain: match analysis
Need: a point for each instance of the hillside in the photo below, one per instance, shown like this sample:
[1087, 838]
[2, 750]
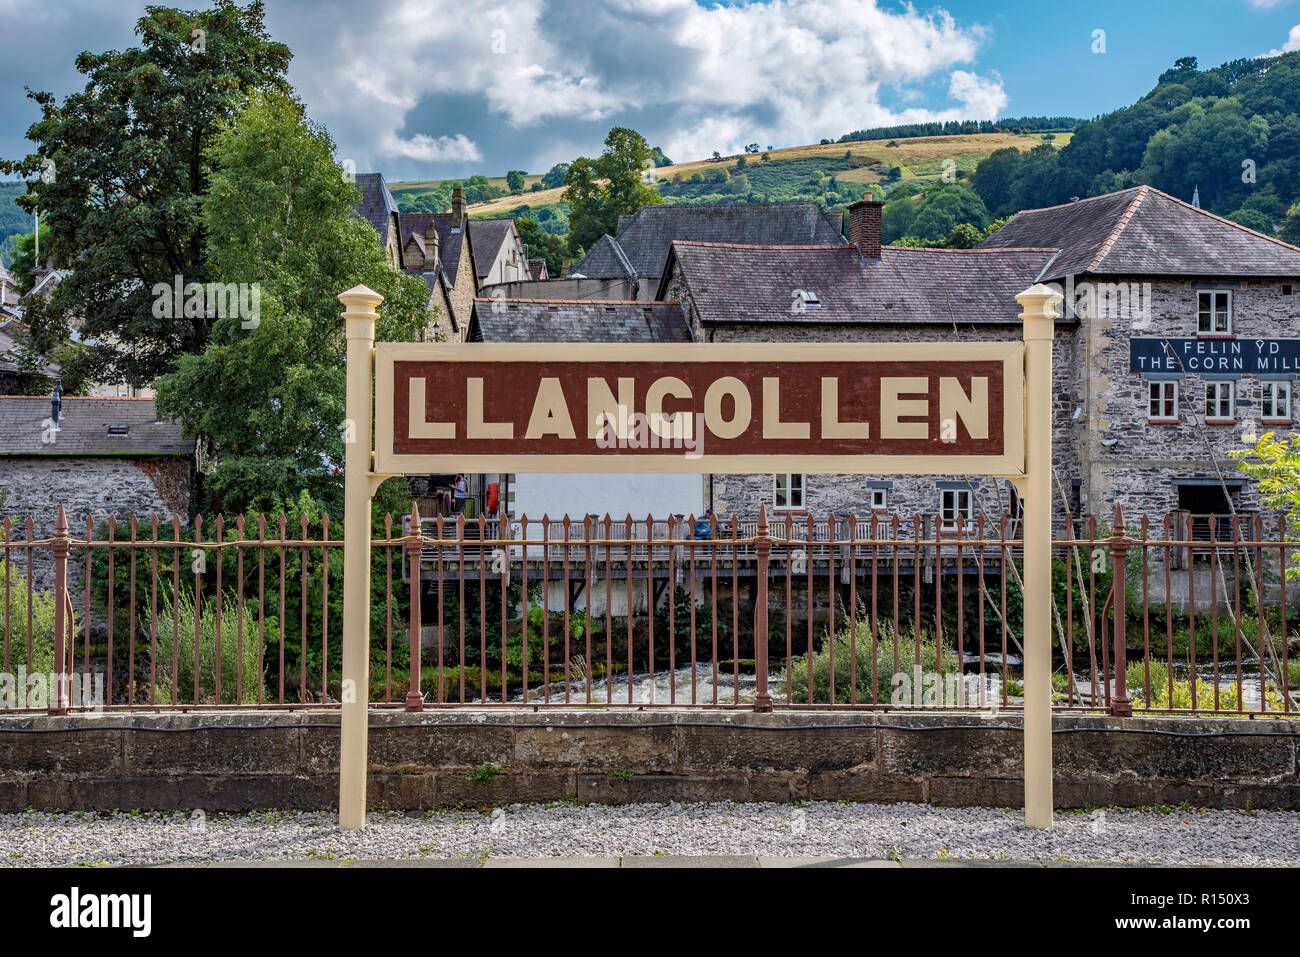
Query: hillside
[846, 169]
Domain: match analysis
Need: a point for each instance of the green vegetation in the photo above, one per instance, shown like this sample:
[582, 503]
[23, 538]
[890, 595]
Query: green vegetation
[855, 645]
[130, 162]
[1232, 131]
[266, 393]
[231, 651]
[599, 191]
[42, 627]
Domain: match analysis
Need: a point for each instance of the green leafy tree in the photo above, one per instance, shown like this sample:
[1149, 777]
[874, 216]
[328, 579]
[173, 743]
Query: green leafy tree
[25, 259]
[553, 178]
[541, 244]
[599, 191]
[1207, 150]
[1290, 231]
[515, 180]
[267, 394]
[120, 172]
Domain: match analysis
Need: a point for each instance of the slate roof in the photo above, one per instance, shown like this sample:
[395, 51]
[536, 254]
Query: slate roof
[488, 236]
[604, 261]
[84, 426]
[537, 270]
[449, 240]
[1144, 232]
[568, 320]
[645, 236]
[732, 283]
[377, 203]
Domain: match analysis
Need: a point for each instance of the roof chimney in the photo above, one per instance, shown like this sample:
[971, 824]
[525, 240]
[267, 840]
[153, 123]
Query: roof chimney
[864, 226]
[431, 246]
[457, 208]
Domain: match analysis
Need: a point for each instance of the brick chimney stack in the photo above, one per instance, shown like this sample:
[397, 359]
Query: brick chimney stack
[864, 226]
[457, 208]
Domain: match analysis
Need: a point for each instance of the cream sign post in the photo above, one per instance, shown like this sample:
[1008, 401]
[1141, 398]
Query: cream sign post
[933, 408]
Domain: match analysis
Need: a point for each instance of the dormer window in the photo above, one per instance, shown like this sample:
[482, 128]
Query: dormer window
[809, 298]
[118, 430]
[1214, 312]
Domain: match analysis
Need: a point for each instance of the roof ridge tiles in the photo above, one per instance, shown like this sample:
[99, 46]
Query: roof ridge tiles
[1117, 230]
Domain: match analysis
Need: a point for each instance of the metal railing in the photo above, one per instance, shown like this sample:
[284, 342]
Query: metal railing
[811, 612]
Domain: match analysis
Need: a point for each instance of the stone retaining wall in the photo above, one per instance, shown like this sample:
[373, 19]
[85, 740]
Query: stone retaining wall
[241, 761]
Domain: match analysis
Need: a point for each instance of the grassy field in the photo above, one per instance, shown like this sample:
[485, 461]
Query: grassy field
[918, 158]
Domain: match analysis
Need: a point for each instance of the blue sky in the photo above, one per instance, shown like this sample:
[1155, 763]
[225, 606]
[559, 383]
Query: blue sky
[433, 88]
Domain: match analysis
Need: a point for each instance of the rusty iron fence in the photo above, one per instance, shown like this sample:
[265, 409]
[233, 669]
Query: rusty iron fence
[1187, 614]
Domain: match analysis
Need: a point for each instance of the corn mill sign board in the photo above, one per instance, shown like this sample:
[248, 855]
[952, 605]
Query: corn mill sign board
[700, 408]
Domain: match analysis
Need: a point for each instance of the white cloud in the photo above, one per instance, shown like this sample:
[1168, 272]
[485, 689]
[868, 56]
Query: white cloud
[1267, 4]
[458, 148]
[693, 79]
[1292, 43]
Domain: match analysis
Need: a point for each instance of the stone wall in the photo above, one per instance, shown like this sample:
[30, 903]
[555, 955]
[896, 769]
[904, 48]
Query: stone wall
[239, 762]
[1137, 472]
[91, 487]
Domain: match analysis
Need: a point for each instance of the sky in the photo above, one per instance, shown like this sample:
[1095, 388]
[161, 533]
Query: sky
[428, 89]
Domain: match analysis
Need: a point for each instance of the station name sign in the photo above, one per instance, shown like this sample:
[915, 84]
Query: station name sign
[938, 408]
[1248, 356]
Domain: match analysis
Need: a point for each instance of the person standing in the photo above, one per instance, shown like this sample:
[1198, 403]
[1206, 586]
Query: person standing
[459, 492]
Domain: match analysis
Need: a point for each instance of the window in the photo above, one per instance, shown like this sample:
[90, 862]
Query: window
[1276, 400]
[956, 508]
[787, 490]
[1162, 400]
[879, 498]
[1218, 401]
[1214, 313]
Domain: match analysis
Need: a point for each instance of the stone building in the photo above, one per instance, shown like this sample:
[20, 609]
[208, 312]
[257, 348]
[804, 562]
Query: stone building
[1180, 340]
[1185, 344]
[109, 456]
[856, 293]
[436, 247]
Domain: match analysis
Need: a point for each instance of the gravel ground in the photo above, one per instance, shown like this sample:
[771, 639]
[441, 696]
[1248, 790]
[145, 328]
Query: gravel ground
[1155, 835]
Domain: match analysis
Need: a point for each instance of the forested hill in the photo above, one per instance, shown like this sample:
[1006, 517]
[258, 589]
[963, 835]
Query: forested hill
[1231, 133]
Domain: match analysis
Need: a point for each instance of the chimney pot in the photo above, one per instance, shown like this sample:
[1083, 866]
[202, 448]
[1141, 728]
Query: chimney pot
[864, 226]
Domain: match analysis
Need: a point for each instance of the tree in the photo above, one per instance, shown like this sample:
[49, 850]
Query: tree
[120, 172]
[515, 180]
[554, 177]
[599, 191]
[941, 208]
[266, 396]
[1252, 219]
[25, 259]
[1290, 230]
[541, 244]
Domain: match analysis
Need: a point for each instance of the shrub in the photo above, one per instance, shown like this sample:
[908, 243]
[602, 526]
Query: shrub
[846, 654]
[1135, 678]
[42, 630]
[231, 659]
